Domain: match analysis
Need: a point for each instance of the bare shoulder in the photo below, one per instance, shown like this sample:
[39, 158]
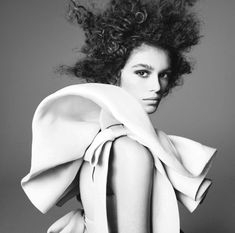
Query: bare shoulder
[128, 151]
[127, 145]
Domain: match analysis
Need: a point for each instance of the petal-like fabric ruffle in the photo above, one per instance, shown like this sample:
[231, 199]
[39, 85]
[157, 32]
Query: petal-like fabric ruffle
[197, 159]
[46, 189]
[68, 127]
[73, 222]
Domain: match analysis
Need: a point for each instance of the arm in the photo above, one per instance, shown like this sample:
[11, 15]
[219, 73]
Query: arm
[130, 178]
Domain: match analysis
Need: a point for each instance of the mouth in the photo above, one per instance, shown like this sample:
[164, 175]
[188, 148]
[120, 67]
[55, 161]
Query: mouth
[153, 99]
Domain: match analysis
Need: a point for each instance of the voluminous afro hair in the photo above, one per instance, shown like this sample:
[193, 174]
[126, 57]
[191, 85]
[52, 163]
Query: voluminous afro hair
[124, 25]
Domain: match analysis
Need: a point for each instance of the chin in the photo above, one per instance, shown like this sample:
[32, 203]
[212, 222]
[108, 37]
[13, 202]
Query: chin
[150, 109]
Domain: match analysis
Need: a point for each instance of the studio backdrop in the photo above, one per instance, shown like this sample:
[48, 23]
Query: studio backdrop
[36, 38]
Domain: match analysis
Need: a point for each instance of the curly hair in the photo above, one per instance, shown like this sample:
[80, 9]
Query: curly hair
[124, 25]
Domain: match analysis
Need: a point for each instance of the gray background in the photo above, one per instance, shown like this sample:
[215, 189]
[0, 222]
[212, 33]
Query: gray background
[35, 38]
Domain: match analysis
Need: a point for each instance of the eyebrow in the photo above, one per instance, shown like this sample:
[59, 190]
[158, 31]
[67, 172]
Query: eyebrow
[145, 66]
[168, 69]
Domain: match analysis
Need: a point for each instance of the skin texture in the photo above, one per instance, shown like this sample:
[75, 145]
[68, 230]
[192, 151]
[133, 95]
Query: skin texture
[129, 187]
[145, 75]
[131, 176]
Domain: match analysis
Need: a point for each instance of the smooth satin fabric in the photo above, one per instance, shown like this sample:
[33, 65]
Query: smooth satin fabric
[80, 122]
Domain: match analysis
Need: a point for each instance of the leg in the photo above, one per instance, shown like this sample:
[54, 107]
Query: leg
[130, 178]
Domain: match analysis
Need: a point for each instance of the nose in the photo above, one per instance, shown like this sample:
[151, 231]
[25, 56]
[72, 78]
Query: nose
[154, 84]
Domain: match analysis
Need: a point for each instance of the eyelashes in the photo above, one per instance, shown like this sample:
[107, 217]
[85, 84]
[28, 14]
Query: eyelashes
[147, 73]
[143, 73]
[165, 75]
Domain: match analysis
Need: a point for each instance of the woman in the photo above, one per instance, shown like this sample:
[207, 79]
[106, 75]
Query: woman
[96, 142]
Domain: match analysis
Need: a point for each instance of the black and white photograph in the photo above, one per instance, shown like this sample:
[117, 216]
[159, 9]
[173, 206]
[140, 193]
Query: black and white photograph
[117, 116]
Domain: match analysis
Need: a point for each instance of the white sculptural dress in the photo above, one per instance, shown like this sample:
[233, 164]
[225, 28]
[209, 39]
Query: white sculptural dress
[71, 125]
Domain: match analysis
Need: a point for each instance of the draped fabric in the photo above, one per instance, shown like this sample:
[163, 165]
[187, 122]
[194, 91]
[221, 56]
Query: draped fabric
[80, 122]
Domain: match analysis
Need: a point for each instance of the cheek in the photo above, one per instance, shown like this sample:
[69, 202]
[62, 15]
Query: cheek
[132, 89]
[131, 84]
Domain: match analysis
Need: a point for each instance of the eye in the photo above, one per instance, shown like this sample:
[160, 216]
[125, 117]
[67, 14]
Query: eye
[142, 73]
[164, 75]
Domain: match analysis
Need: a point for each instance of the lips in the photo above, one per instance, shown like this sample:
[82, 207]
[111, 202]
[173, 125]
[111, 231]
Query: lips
[153, 98]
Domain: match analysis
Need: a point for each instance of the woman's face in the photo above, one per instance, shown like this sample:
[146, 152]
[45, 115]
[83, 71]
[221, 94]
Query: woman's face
[145, 75]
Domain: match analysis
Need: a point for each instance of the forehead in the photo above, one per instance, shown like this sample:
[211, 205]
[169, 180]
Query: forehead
[149, 55]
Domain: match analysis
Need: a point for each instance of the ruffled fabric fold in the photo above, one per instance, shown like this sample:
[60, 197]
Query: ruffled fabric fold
[71, 222]
[190, 191]
[79, 123]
